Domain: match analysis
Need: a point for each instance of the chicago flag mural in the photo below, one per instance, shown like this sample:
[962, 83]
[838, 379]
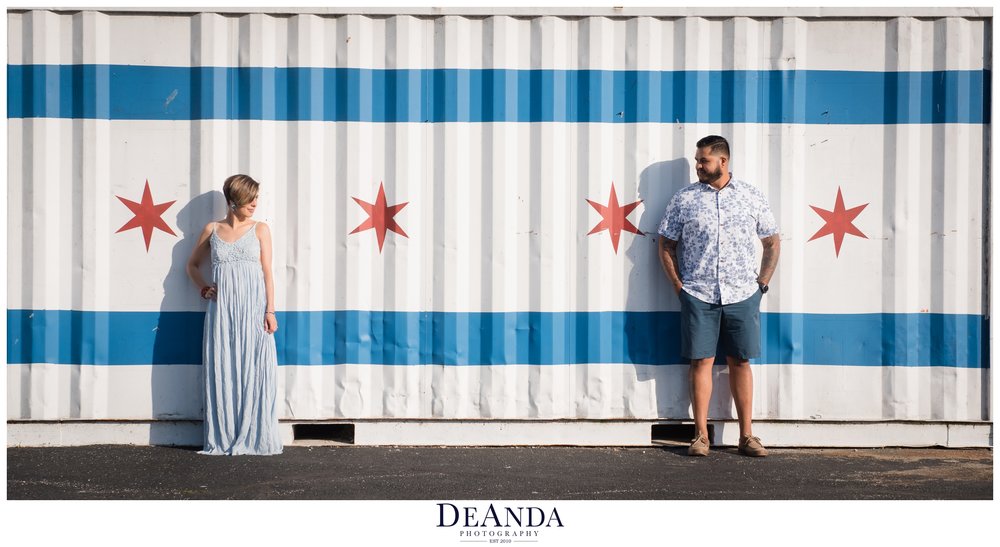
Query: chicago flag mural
[464, 210]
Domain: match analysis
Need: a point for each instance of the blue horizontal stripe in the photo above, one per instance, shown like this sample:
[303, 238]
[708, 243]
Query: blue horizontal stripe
[415, 338]
[130, 92]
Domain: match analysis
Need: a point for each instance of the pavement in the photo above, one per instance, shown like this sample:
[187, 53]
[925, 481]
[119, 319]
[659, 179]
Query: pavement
[339, 472]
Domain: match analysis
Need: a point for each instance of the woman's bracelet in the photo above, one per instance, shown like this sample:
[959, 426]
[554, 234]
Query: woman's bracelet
[269, 312]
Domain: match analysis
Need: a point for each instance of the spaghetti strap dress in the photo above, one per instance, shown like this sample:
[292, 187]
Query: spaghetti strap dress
[240, 359]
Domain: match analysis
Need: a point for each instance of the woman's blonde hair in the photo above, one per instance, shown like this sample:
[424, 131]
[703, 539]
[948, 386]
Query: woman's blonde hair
[240, 190]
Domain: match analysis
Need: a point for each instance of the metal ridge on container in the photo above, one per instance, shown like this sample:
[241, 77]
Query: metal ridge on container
[639, 11]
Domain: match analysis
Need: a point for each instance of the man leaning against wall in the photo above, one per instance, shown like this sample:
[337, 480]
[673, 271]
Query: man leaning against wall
[707, 251]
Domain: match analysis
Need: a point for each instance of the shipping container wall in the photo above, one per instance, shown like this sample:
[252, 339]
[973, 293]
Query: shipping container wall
[464, 209]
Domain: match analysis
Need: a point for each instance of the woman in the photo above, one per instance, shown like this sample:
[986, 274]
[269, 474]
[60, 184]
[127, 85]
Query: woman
[241, 414]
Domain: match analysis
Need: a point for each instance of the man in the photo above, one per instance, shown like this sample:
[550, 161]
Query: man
[714, 224]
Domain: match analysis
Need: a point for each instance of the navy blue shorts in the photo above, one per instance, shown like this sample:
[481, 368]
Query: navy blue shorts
[733, 328]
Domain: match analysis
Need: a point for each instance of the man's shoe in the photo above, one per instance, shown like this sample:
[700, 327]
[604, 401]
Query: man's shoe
[699, 446]
[750, 446]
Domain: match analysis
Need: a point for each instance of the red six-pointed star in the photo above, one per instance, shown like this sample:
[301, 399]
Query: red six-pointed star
[839, 221]
[613, 218]
[380, 217]
[147, 215]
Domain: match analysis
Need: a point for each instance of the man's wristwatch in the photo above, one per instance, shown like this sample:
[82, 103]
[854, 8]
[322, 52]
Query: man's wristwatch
[763, 287]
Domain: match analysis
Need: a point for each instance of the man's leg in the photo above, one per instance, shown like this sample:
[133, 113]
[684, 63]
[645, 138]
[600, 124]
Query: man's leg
[700, 375]
[699, 338]
[741, 385]
[741, 341]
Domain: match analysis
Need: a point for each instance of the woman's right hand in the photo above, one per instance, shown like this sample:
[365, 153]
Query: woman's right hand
[209, 292]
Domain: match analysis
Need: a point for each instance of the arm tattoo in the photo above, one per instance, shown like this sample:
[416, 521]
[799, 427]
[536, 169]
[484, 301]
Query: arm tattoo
[668, 259]
[768, 262]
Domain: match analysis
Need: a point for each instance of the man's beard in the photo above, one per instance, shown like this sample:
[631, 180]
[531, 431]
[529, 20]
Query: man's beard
[708, 177]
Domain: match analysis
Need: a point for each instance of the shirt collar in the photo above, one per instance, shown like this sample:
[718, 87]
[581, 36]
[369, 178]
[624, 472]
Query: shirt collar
[733, 182]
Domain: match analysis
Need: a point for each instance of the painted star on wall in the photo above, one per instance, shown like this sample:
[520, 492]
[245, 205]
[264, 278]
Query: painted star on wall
[380, 217]
[613, 218]
[839, 221]
[147, 215]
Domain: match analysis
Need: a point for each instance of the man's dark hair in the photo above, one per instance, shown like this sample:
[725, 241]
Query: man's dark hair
[720, 146]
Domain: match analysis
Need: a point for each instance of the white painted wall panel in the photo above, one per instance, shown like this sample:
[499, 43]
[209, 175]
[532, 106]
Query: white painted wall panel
[483, 216]
[637, 43]
[593, 392]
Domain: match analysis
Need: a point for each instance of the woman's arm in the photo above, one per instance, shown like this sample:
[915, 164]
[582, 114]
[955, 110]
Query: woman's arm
[201, 250]
[264, 235]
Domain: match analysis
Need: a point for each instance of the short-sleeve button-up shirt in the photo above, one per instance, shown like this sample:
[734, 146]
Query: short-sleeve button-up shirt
[716, 230]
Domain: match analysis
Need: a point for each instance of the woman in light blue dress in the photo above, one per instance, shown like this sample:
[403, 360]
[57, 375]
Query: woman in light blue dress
[240, 360]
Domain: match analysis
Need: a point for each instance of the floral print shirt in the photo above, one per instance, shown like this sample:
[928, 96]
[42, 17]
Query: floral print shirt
[716, 230]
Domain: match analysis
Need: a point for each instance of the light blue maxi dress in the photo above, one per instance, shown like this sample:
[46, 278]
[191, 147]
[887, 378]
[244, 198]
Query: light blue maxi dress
[240, 359]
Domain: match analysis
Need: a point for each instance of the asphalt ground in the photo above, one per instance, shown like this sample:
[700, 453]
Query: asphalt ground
[507, 473]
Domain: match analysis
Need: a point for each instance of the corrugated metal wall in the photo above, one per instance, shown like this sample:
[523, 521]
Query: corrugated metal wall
[497, 302]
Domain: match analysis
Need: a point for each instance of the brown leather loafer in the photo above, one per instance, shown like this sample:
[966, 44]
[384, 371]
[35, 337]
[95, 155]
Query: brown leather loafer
[750, 446]
[699, 446]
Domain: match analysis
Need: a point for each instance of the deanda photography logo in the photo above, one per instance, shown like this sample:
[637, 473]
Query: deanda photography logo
[497, 523]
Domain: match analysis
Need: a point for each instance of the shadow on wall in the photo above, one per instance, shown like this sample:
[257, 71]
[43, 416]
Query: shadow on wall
[646, 338]
[176, 433]
[651, 323]
[652, 336]
[177, 378]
